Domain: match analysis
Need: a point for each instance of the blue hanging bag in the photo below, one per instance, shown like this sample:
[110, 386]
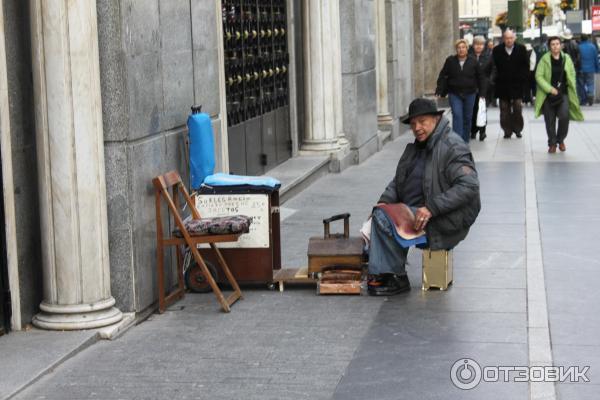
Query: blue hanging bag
[202, 146]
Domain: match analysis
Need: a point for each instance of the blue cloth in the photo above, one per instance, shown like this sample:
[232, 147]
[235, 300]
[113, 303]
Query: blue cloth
[462, 113]
[221, 179]
[202, 148]
[406, 243]
[589, 57]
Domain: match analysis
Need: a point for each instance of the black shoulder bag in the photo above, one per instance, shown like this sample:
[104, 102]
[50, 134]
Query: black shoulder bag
[556, 100]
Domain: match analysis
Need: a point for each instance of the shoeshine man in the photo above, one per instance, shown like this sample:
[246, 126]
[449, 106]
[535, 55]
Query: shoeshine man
[436, 178]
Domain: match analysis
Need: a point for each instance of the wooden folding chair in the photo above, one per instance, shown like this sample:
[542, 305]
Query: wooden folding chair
[162, 184]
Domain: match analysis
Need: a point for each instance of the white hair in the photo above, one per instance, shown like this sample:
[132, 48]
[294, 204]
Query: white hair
[478, 39]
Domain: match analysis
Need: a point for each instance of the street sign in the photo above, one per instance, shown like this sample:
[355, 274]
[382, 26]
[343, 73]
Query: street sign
[574, 18]
[586, 27]
[515, 14]
[596, 18]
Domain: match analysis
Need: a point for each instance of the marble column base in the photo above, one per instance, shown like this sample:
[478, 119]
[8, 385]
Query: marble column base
[77, 316]
[320, 145]
[385, 121]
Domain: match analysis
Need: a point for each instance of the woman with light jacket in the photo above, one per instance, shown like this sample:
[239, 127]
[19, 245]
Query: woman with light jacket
[556, 95]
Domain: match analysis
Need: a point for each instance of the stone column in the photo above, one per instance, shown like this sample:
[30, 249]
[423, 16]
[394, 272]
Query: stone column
[384, 119]
[68, 112]
[320, 128]
[432, 46]
[336, 55]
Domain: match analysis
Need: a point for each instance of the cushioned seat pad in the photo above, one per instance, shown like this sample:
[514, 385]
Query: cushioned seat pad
[216, 226]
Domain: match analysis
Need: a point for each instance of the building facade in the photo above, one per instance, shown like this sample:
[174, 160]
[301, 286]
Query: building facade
[94, 98]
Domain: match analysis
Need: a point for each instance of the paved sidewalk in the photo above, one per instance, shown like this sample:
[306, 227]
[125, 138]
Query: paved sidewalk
[295, 345]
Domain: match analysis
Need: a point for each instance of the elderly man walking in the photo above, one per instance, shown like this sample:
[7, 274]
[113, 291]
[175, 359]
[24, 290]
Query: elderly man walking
[512, 71]
[437, 180]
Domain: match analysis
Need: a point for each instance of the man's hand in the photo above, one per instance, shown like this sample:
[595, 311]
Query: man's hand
[553, 91]
[422, 216]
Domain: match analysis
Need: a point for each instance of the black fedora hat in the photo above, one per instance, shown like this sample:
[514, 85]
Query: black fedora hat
[420, 106]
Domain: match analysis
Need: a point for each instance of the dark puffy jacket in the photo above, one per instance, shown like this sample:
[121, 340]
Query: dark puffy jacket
[450, 186]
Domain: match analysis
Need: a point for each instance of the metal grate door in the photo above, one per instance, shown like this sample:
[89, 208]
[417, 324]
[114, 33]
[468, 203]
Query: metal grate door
[256, 73]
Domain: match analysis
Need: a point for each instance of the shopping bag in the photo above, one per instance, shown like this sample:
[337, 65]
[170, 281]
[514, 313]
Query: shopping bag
[365, 230]
[481, 114]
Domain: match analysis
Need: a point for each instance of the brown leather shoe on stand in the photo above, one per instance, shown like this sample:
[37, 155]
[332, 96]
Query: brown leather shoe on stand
[562, 147]
[552, 149]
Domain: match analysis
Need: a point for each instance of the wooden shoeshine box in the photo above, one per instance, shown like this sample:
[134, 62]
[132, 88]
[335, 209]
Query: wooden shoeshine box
[437, 269]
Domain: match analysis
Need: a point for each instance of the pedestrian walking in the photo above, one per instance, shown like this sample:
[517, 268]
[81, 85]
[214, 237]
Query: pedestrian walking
[556, 95]
[570, 46]
[512, 67]
[484, 59]
[461, 79]
[490, 99]
[589, 67]
[437, 179]
[530, 86]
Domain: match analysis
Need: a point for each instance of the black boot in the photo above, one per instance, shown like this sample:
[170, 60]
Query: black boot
[482, 134]
[388, 285]
[590, 100]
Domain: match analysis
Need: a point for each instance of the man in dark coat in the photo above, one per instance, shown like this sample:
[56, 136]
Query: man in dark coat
[437, 180]
[512, 70]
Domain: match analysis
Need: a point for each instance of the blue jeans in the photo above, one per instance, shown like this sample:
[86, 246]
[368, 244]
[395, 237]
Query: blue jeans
[585, 86]
[462, 113]
[386, 256]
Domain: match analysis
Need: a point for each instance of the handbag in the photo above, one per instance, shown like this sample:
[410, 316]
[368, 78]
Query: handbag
[481, 114]
[556, 100]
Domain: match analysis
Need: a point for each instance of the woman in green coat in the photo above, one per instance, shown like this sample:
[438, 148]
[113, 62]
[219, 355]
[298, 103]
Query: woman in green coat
[556, 95]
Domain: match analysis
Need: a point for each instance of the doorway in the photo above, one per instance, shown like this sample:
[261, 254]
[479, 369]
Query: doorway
[257, 85]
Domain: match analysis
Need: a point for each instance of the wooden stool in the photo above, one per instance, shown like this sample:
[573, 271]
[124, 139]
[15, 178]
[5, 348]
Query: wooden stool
[437, 269]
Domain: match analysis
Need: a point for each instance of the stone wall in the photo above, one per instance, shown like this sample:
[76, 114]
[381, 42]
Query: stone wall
[24, 165]
[435, 30]
[157, 58]
[399, 25]
[358, 76]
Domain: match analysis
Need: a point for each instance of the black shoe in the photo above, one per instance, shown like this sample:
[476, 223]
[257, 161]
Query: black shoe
[507, 135]
[482, 136]
[473, 135]
[519, 135]
[590, 101]
[388, 285]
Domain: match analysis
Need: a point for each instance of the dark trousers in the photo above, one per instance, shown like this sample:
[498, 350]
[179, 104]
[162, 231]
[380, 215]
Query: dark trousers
[550, 115]
[511, 116]
[585, 87]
